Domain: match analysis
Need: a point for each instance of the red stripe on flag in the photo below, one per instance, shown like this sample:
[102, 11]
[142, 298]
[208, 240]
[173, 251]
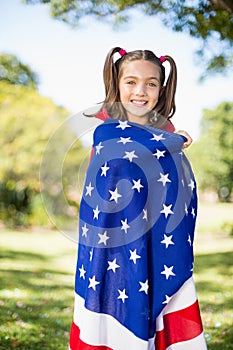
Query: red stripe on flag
[179, 326]
[77, 344]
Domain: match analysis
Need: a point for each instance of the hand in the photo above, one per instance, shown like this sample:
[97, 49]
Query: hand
[188, 137]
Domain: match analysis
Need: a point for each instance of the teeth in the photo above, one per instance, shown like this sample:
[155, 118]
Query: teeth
[139, 102]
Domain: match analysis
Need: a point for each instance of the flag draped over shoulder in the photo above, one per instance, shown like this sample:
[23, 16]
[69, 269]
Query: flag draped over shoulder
[134, 287]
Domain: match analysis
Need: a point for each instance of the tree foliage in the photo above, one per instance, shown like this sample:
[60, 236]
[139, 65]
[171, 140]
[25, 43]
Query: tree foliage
[210, 21]
[15, 72]
[27, 121]
[212, 155]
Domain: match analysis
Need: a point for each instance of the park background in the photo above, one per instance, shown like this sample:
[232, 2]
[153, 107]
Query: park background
[49, 73]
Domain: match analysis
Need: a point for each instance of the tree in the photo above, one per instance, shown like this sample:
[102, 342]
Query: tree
[212, 155]
[27, 122]
[15, 72]
[210, 21]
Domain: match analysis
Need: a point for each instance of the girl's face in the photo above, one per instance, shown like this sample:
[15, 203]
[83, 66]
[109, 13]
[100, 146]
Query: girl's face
[139, 87]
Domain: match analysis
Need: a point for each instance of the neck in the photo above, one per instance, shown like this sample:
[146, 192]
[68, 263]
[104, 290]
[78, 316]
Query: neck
[143, 120]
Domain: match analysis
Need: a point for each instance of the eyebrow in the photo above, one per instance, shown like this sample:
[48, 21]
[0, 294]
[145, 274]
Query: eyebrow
[135, 77]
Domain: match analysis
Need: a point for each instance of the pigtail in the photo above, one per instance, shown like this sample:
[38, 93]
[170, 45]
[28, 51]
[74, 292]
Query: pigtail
[166, 104]
[110, 76]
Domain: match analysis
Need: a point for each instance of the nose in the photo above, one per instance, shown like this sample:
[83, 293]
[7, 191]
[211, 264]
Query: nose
[140, 90]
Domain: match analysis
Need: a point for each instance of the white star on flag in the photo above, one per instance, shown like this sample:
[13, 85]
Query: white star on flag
[193, 212]
[130, 155]
[115, 195]
[137, 185]
[191, 184]
[145, 214]
[134, 256]
[164, 179]
[167, 240]
[103, 238]
[96, 212]
[104, 168]
[159, 154]
[89, 189]
[93, 283]
[125, 140]
[98, 148]
[122, 295]
[144, 287]
[157, 137]
[167, 299]
[82, 272]
[113, 265]
[168, 271]
[91, 254]
[166, 210]
[186, 209]
[85, 230]
[123, 125]
[124, 226]
[189, 240]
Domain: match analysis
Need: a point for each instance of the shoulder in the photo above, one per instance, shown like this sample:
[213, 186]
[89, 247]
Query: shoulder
[102, 115]
[168, 126]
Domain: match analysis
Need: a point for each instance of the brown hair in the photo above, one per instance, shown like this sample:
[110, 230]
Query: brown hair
[112, 71]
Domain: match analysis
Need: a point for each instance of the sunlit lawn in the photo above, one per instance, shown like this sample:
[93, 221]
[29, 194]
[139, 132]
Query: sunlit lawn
[37, 290]
[37, 277]
[213, 274]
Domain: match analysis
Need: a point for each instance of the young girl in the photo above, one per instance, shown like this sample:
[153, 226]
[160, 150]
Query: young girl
[162, 109]
[134, 287]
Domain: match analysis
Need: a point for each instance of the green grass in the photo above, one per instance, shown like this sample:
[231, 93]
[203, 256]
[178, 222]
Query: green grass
[36, 299]
[37, 278]
[213, 273]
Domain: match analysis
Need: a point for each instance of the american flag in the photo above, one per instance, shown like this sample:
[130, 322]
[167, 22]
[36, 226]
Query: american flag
[134, 287]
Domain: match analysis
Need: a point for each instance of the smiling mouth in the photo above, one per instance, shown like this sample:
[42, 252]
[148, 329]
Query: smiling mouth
[139, 102]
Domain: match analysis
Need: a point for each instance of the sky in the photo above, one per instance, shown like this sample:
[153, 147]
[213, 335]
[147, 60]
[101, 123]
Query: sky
[70, 62]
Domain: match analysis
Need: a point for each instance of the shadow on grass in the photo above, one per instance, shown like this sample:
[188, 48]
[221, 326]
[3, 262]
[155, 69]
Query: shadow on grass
[215, 285]
[36, 302]
[219, 261]
[36, 310]
[27, 269]
[22, 256]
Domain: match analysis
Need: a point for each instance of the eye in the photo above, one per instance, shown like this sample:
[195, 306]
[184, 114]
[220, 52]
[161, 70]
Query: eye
[153, 84]
[130, 82]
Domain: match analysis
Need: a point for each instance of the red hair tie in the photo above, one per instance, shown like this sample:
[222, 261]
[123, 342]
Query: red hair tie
[122, 52]
[162, 59]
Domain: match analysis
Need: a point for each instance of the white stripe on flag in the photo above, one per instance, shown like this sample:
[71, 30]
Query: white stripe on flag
[185, 297]
[102, 329]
